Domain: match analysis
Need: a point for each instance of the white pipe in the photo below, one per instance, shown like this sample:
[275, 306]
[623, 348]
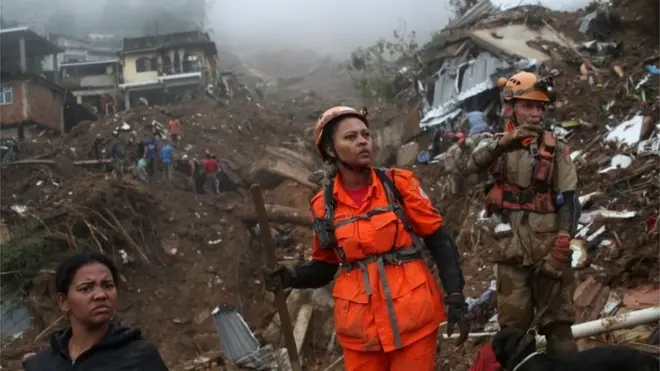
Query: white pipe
[618, 322]
[582, 330]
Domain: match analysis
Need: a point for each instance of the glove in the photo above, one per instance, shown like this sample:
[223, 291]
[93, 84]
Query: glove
[457, 315]
[280, 277]
[557, 261]
[520, 133]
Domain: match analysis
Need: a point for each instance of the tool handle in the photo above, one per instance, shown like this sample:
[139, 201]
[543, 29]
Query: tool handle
[271, 261]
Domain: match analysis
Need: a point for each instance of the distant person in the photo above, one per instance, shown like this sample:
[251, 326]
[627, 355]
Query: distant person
[96, 146]
[142, 169]
[150, 148]
[86, 285]
[175, 128]
[117, 155]
[103, 105]
[477, 123]
[210, 165]
[167, 159]
[197, 175]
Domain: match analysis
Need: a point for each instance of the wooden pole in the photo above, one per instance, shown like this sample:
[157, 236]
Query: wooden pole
[271, 262]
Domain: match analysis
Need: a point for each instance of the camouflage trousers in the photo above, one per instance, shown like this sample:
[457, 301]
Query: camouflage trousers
[521, 293]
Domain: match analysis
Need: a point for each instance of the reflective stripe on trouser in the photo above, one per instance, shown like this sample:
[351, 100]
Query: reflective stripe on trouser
[395, 256]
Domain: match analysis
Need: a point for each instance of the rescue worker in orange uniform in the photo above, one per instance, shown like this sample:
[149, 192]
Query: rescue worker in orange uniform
[534, 190]
[372, 225]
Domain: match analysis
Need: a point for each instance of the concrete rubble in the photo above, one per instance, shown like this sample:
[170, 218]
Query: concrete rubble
[182, 254]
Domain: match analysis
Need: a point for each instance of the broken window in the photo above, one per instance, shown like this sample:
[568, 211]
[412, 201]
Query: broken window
[167, 64]
[191, 63]
[7, 95]
[143, 64]
[146, 64]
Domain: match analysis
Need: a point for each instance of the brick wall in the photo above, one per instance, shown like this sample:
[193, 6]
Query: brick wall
[45, 105]
[12, 113]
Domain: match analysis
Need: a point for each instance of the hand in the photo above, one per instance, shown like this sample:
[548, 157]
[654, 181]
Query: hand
[457, 314]
[280, 277]
[558, 260]
[519, 133]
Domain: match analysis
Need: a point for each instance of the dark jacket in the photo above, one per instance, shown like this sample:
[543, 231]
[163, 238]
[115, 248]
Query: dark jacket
[122, 349]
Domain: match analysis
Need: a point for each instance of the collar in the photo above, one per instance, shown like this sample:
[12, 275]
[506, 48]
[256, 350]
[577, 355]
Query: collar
[342, 196]
[525, 360]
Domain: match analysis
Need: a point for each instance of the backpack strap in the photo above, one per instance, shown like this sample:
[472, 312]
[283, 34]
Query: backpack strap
[395, 199]
[381, 173]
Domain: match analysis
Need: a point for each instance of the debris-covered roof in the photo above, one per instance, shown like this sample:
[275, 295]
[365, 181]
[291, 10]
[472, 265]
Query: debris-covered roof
[134, 44]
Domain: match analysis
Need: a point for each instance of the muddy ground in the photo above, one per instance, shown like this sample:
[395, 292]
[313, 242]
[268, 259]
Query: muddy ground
[190, 253]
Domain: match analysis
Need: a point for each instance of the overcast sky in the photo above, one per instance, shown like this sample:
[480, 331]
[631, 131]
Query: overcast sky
[326, 26]
[322, 25]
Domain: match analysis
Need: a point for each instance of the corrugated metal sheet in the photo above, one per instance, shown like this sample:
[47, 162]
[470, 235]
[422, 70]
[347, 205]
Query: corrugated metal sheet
[478, 75]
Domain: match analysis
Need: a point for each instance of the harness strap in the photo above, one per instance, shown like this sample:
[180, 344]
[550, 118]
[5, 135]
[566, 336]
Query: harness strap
[393, 257]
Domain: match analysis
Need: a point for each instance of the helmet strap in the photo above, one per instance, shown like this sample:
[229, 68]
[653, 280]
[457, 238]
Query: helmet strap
[346, 165]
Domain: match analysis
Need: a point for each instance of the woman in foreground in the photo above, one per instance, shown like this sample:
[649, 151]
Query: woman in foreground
[87, 293]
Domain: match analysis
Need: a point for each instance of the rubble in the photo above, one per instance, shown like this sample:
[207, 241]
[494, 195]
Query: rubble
[182, 254]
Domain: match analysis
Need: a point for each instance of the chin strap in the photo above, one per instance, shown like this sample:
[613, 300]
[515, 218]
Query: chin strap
[357, 169]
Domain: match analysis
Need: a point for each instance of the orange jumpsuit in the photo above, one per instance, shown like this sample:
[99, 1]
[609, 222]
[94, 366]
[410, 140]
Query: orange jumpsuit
[386, 315]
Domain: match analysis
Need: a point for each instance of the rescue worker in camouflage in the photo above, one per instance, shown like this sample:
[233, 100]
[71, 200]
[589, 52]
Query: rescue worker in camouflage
[534, 189]
[455, 161]
[373, 226]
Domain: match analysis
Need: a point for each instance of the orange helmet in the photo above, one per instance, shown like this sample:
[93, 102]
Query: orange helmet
[329, 116]
[526, 85]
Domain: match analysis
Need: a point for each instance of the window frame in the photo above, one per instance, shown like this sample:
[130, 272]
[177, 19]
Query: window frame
[6, 89]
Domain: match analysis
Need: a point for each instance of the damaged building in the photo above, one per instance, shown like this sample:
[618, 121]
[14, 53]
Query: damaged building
[87, 70]
[28, 101]
[480, 47]
[160, 68]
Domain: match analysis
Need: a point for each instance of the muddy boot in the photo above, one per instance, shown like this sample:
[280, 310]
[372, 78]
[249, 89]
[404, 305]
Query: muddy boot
[560, 339]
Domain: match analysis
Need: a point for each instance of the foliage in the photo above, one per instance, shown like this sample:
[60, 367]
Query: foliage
[22, 258]
[377, 70]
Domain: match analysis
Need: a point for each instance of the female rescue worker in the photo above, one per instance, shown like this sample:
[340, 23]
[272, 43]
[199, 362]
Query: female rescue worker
[372, 224]
[535, 189]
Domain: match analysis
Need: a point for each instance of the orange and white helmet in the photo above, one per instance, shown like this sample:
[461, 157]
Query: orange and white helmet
[330, 116]
[528, 86]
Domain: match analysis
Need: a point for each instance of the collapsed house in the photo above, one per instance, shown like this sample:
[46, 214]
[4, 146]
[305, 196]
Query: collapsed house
[158, 67]
[479, 48]
[88, 70]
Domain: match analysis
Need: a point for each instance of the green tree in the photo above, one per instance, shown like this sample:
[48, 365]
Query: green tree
[387, 69]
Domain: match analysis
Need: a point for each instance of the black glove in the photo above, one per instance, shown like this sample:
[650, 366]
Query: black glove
[457, 315]
[280, 277]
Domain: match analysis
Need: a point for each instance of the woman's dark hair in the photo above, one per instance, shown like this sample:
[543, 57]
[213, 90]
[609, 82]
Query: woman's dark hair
[68, 268]
[326, 137]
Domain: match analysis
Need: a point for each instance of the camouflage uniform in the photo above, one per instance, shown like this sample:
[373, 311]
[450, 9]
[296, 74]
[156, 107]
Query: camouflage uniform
[521, 291]
[455, 162]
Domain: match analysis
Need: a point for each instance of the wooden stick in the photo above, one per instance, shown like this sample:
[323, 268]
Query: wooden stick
[50, 327]
[271, 261]
[334, 364]
[91, 232]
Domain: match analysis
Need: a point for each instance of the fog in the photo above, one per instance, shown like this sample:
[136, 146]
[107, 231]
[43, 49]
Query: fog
[326, 26]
